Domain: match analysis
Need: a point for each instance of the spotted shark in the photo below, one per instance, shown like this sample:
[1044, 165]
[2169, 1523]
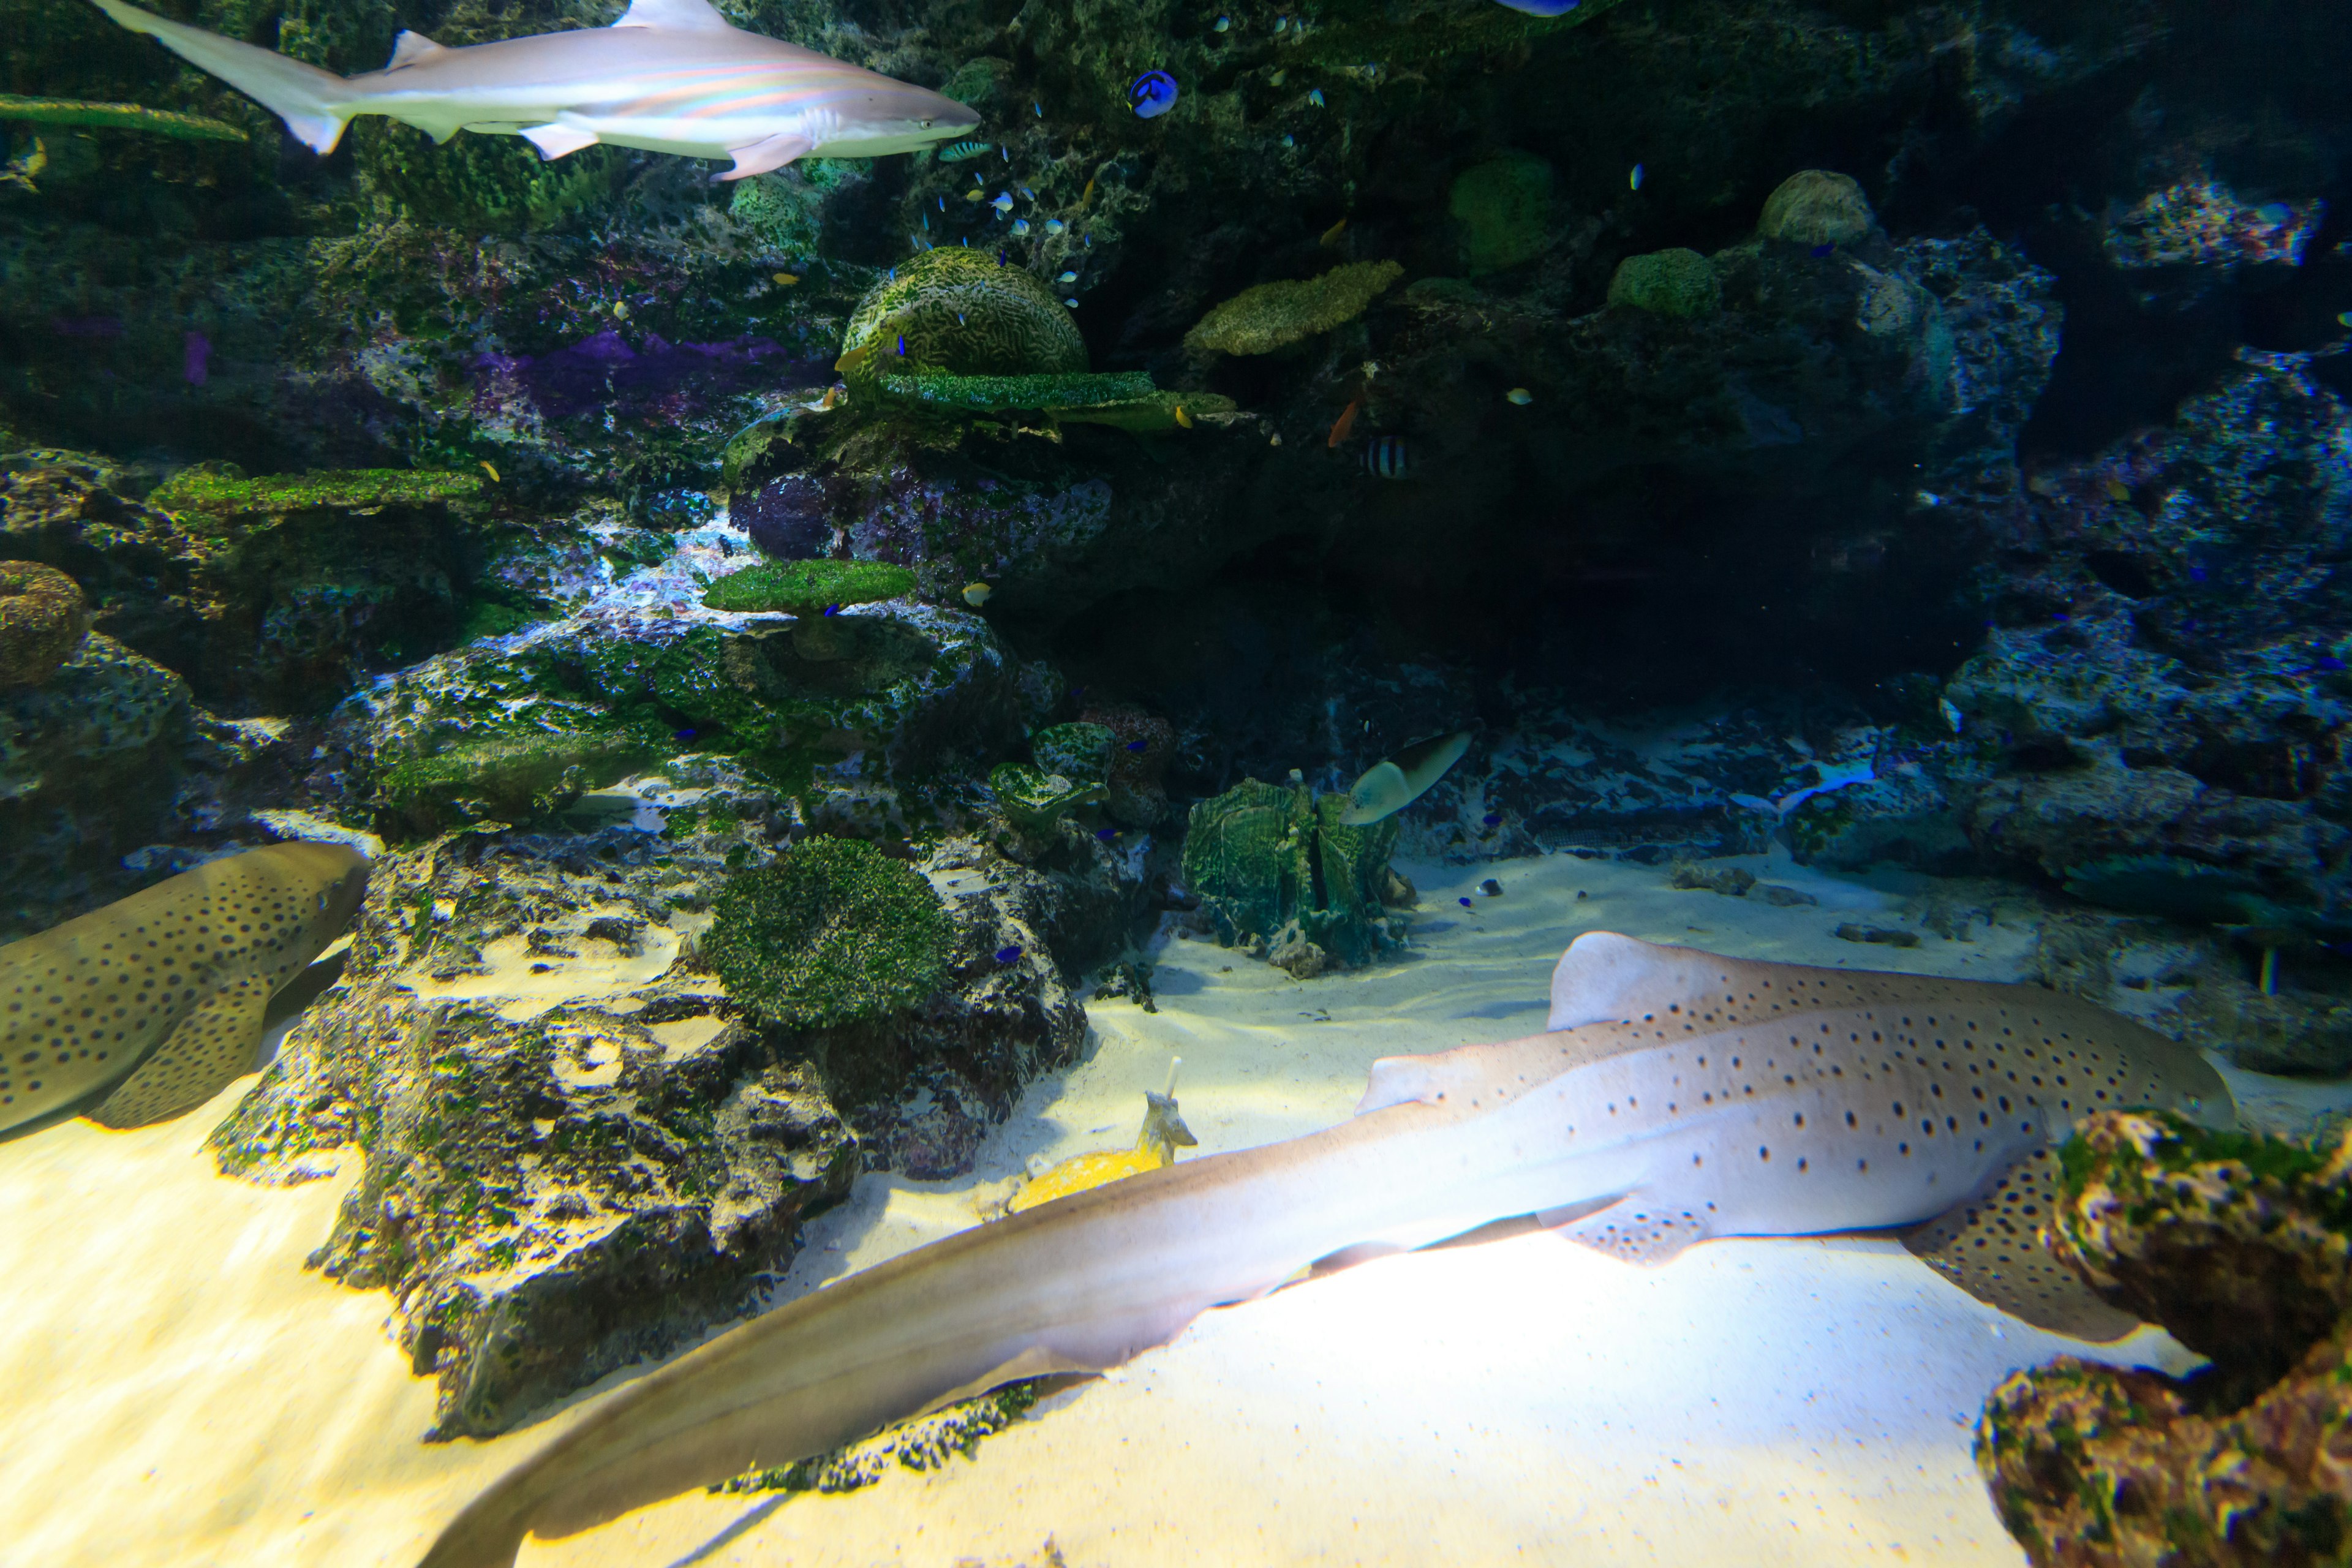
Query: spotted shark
[1677, 1096]
[671, 76]
[145, 1009]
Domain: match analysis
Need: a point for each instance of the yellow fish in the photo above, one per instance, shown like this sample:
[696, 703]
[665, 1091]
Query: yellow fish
[785, 279]
[2118, 490]
[491, 471]
[145, 1009]
[1164, 1134]
[976, 593]
[1182, 419]
[1331, 235]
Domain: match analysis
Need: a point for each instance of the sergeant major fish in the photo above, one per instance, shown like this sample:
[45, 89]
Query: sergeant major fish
[1677, 1096]
[144, 1009]
[671, 76]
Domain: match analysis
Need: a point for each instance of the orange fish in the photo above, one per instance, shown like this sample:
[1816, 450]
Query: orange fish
[1345, 423]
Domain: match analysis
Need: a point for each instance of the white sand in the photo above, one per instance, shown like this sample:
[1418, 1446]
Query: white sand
[180, 1391]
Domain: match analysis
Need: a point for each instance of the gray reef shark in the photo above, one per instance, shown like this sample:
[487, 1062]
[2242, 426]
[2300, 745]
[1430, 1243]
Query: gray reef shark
[1677, 1096]
[671, 76]
[144, 1009]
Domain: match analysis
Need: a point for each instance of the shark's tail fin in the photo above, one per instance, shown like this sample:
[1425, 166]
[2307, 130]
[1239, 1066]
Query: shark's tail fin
[315, 104]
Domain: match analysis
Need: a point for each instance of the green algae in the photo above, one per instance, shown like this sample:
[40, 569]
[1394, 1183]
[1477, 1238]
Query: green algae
[1270, 316]
[807, 588]
[1077, 750]
[1504, 209]
[1262, 857]
[996, 393]
[116, 117]
[1035, 801]
[219, 490]
[511, 777]
[482, 185]
[1667, 283]
[833, 931]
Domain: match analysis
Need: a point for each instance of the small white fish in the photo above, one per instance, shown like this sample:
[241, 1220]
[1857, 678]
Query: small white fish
[1054, 225]
[1287, 141]
[1027, 194]
[1315, 97]
[1073, 304]
[1633, 180]
[1020, 225]
[1223, 23]
[1951, 714]
[1277, 78]
[1003, 202]
[1067, 277]
[1520, 395]
[976, 593]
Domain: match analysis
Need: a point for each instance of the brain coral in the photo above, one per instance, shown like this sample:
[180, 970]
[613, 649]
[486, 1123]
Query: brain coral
[1667, 282]
[958, 310]
[1814, 206]
[1274, 315]
[42, 621]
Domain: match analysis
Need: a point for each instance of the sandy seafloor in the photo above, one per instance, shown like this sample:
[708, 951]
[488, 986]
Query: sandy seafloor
[176, 1389]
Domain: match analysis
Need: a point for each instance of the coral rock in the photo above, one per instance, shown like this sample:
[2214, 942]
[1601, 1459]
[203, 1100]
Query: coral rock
[958, 310]
[1265, 860]
[1668, 283]
[42, 620]
[1503, 208]
[1270, 316]
[1814, 206]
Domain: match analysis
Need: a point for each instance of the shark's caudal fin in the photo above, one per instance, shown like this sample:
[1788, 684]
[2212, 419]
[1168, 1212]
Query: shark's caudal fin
[315, 104]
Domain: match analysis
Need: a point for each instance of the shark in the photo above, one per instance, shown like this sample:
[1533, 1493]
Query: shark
[143, 1010]
[671, 76]
[1676, 1096]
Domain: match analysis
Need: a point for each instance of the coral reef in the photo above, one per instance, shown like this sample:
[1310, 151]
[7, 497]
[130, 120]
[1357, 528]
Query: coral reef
[963, 311]
[42, 620]
[808, 587]
[1668, 283]
[1272, 316]
[1275, 866]
[1143, 745]
[1814, 206]
[1504, 209]
[2236, 1244]
[115, 117]
[832, 932]
[1081, 751]
[1035, 800]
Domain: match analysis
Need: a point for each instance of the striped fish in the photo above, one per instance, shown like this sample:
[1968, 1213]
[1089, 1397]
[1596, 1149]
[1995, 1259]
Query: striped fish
[1384, 457]
[957, 151]
[671, 76]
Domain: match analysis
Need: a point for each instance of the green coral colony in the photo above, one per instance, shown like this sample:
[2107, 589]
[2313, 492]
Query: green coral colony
[745, 619]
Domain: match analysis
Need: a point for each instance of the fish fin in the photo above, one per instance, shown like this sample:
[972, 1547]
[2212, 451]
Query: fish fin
[674, 14]
[556, 140]
[1383, 790]
[1605, 977]
[1035, 1361]
[313, 103]
[213, 1045]
[1425, 762]
[1474, 1074]
[761, 157]
[411, 48]
[1990, 1246]
[1632, 1229]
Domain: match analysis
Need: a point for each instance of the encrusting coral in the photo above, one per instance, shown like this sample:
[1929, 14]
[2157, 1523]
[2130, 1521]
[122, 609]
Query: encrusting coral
[1667, 283]
[116, 117]
[42, 620]
[2236, 1244]
[220, 490]
[1276, 865]
[807, 588]
[833, 932]
[1270, 316]
[1816, 206]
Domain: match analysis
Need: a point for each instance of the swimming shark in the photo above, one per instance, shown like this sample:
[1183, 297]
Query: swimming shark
[671, 76]
[142, 1010]
[1677, 1096]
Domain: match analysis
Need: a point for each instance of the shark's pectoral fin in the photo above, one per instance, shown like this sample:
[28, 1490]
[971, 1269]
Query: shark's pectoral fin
[213, 1045]
[1639, 1227]
[1037, 1361]
[761, 157]
[1990, 1246]
[558, 140]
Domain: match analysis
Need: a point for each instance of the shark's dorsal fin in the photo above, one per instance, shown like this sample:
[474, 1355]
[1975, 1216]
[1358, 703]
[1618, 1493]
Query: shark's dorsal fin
[678, 15]
[1605, 977]
[413, 48]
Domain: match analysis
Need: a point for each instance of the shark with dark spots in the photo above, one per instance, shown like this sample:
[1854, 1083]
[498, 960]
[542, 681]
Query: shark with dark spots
[671, 76]
[145, 1009]
[1677, 1096]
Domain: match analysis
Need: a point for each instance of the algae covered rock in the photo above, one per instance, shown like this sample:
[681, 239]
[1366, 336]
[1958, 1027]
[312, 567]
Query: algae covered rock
[808, 587]
[1035, 801]
[833, 932]
[1080, 751]
[42, 620]
[1667, 283]
[1269, 863]
[1814, 206]
[1270, 316]
[2236, 1244]
[961, 311]
[1503, 208]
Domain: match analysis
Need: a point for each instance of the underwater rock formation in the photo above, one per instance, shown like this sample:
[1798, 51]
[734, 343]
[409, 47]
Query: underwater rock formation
[42, 620]
[832, 931]
[1503, 208]
[1669, 282]
[808, 587]
[2236, 1244]
[1272, 316]
[1816, 206]
[1277, 869]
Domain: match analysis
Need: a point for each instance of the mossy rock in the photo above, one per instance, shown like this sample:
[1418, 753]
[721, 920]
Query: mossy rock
[1814, 206]
[1270, 316]
[480, 184]
[958, 310]
[115, 117]
[503, 778]
[1668, 283]
[834, 932]
[1503, 208]
[1078, 750]
[1260, 857]
[1035, 801]
[997, 393]
[807, 588]
[43, 620]
[222, 490]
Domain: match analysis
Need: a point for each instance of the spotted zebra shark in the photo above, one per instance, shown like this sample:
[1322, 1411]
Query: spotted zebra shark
[1676, 1096]
[671, 76]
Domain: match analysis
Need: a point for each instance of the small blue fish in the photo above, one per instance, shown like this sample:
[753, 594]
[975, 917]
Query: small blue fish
[1818, 251]
[1020, 225]
[1106, 834]
[833, 609]
[2328, 662]
[1223, 23]
[957, 151]
[1008, 955]
[902, 345]
[1492, 820]
[1026, 194]
[1003, 202]
[1384, 457]
[1543, 7]
[1054, 225]
[1067, 277]
[2343, 318]
[688, 734]
[1073, 304]
[1288, 141]
[1135, 745]
[1040, 109]
[1633, 180]
[1315, 97]
[1153, 93]
[1466, 903]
